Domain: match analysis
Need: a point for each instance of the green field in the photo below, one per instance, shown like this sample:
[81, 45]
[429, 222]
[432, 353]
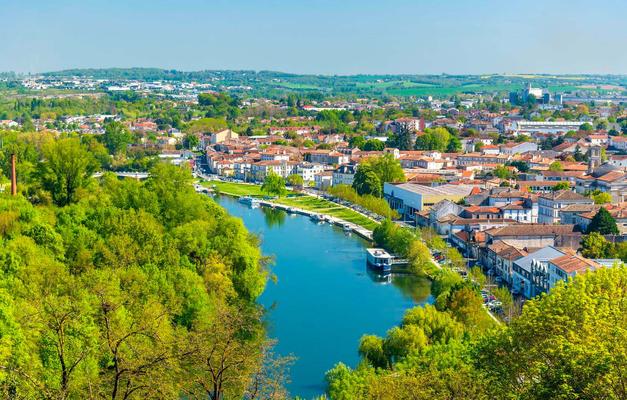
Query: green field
[302, 201]
[236, 189]
[322, 206]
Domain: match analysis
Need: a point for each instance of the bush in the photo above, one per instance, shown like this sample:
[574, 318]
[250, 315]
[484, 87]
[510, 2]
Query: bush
[375, 204]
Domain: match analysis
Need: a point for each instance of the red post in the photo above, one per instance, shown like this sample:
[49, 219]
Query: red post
[13, 176]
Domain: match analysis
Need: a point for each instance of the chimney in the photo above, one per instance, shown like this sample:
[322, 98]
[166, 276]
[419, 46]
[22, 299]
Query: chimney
[13, 176]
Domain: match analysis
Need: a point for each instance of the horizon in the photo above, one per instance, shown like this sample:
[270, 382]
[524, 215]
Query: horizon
[399, 37]
[522, 75]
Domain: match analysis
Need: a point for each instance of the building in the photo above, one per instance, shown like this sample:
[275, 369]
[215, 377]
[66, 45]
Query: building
[550, 204]
[344, 175]
[309, 171]
[551, 127]
[568, 266]
[410, 198]
[535, 235]
[524, 279]
[223, 136]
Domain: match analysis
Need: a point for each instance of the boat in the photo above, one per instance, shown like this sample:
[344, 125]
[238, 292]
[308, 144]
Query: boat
[317, 218]
[347, 228]
[248, 201]
[379, 260]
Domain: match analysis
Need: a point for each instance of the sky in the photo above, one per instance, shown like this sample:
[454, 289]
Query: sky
[317, 36]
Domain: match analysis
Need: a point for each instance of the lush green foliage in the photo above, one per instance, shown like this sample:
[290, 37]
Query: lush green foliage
[131, 290]
[374, 172]
[274, 185]
[569, 344]
[603, 223]
[375, 204]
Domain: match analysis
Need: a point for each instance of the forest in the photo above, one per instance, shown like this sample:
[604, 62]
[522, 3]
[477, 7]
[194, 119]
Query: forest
[123, 289]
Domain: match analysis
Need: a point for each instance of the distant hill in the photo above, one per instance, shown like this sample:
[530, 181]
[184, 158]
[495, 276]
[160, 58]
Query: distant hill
[272, 83]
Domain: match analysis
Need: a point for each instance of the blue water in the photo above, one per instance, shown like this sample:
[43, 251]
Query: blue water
[324, 299]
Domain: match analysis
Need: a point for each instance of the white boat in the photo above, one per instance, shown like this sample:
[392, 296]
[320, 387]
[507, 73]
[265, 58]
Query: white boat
[347, 228]
[317, 218]
[248, 201]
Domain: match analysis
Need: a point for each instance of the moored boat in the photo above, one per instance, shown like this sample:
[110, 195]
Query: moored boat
[379, 260]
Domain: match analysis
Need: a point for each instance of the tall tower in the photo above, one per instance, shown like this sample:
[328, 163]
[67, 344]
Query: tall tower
[594, 158]
[13, 176]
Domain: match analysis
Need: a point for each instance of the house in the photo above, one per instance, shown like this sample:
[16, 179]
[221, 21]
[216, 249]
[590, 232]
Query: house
[618, 142]
[568, 266]
[535, 235]
[550, 204]
[309, 171]
[441, 209]
[344, 174]
[518, 148]
[223, 136]
[501, 257]
[605, 178]
[523, 280]
[323, 180]
[409, 198]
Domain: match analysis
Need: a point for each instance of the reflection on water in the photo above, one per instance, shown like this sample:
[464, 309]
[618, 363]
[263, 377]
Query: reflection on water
[413, 287]
[324, 298]
[273, 216]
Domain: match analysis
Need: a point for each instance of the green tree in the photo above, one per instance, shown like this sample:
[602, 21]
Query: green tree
[502, 172]
[274, 184]
[191, 141]
[521, 166]
[117, 137]
[603, 223]
[366, 181]
[373, 145]
[295, 180]
[556, 166]
[602, 198]
[386, 167]
[594, 245]
[66, 167]
[561, 186]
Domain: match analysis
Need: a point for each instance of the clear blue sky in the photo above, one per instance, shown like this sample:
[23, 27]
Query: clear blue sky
[317, 36]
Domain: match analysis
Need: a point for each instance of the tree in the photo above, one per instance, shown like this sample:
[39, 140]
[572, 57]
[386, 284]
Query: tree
[295, 180]
[602, 198]
[454, 145]
[586, 127]
[556, 166]
[520, 165]
[583, 356]
[594, 245]
[66, 167]
[366, 181]
[561, 186]
[387, 168]
[435, 139]
[373, 145]
[357, 142]
[117, 137]
[502, 172]
[191, 141]
[273, 184]
[603, 223]
[402, 139]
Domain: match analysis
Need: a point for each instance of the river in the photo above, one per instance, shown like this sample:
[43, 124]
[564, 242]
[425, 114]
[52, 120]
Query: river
[324, 299]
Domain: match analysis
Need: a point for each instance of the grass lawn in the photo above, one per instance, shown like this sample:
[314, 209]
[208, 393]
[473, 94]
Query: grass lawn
[304, 202]
[322, 206]
[236, 189]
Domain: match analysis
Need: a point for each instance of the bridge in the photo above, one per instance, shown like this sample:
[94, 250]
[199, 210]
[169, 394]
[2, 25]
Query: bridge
[123, 174]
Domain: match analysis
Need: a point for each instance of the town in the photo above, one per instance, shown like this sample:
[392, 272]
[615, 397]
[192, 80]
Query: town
[502, 193]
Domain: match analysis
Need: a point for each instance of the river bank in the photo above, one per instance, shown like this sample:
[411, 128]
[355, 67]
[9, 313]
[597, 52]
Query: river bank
[305, 203]
[324, 298]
